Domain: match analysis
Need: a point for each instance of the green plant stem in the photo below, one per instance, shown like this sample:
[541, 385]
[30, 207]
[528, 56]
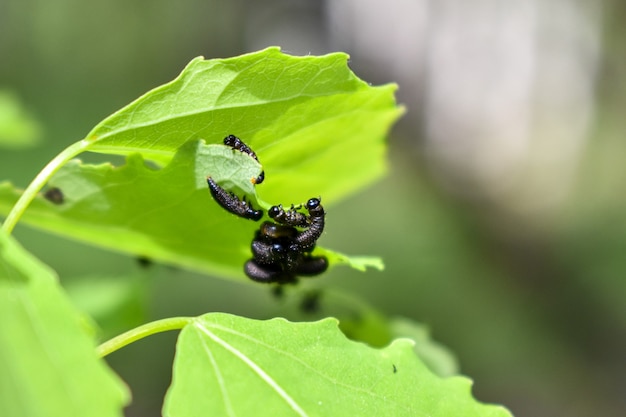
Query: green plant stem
[158, 326]
[40, 180]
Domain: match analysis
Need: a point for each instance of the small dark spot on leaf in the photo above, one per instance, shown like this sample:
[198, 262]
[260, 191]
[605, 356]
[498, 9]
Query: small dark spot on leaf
[395, 370]
[54, 195]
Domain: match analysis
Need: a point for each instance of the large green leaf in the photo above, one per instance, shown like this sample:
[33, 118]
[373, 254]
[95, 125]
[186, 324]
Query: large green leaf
[362, 322]
[48, 363]
[232, 366]
[166, 214]
[316, 127]
[318, 131]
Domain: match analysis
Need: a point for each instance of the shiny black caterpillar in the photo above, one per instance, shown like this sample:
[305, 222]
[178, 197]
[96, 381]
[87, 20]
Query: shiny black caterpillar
[291, 217]
[232, 203]
[280, 252]
[237, 144]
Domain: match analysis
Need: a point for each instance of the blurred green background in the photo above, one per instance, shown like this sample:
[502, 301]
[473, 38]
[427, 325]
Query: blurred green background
[502, 220]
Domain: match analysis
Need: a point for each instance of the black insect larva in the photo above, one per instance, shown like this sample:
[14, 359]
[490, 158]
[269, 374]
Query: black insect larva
[237, 144]
[271, 246]
[267, 273]
[315, 208]
[291, 217]
[305, 240]
[259, 179]
[275, 231]
[312, 265]
[266, 253]
[259, 273]
[232, 203]
[280, 252]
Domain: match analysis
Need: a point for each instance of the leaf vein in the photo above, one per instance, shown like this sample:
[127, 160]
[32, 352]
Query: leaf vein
[309, 367]
[256, 368]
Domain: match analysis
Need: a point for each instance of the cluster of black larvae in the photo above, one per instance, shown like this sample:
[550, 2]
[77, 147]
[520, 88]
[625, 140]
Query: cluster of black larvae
[281, 249]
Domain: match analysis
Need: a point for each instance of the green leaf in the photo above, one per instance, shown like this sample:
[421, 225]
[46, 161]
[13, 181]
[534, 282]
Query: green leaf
[360, 321]
[360, 263]
[48, 363]
[227, 365]
[165, 214]
[316, 127]
[18, 129]
[437, 357]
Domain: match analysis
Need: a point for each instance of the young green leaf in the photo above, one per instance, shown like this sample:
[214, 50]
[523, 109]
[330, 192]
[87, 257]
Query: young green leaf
[165, 214]
[316, 127]
[48, 363]
[231, 366]
[318, 131]
[360, 263]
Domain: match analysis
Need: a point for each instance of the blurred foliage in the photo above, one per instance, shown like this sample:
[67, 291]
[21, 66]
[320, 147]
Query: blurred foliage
[46, 353]
[115, 303]
[534, 312]
[18, 129]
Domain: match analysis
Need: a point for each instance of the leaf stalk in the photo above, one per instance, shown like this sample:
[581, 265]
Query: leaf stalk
[148, 329]
[39, 181]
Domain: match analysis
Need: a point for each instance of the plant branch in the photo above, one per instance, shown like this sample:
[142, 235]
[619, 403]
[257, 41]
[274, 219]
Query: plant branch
[40, 180]
[148, 329]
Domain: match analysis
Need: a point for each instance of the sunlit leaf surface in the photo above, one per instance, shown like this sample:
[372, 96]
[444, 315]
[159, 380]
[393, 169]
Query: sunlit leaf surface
[360, 321]
[317, 129]
[232, 366]
[164, 214]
